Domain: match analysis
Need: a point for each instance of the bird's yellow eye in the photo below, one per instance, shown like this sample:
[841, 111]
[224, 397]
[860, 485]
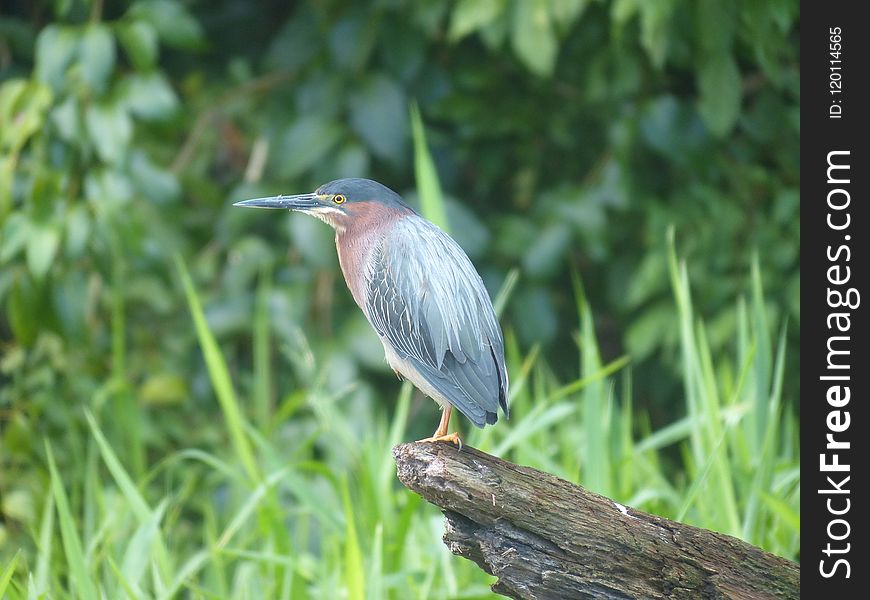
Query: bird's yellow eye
[338, 199]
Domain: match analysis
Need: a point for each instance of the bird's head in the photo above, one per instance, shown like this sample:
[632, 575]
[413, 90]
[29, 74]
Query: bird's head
[338, 202]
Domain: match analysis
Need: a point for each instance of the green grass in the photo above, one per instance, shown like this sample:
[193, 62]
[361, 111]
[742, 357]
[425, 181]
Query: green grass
[297, 497]
[323, 517]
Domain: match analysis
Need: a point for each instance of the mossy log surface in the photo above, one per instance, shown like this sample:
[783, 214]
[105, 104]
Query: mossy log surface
[544, 537]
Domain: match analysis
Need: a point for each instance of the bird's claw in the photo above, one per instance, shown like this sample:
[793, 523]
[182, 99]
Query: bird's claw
[450, 437]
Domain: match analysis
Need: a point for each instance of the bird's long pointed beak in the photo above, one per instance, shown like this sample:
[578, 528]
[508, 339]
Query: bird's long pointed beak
[298, 202]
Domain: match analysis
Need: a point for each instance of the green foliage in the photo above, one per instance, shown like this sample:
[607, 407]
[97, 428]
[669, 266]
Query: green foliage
[195, 521]
[190, 403]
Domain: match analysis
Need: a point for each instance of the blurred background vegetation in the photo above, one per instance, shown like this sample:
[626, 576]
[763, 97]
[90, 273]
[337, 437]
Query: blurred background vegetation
[190, 403]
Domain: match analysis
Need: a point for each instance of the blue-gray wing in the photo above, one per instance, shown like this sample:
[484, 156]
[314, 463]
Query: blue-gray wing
[424, 298]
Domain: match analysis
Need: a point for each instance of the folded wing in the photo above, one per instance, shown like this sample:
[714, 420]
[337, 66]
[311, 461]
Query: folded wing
[427, 301]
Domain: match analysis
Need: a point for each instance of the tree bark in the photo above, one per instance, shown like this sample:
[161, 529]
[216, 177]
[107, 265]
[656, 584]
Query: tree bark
[544, 537]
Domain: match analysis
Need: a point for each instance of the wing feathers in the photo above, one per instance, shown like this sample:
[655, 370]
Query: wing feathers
[426, 300]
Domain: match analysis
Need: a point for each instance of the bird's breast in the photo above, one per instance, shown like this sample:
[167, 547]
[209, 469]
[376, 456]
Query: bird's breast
[357, 241]
[353, 256]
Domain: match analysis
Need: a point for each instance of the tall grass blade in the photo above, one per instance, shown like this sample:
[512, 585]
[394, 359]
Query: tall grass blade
[75, 557]
[783, 512]
[144, 514]
[248, 508]
[262, 362]
[688, 353]
[6, 575]
[220, 376]
[599, 375]
[539, 419]
[43, 557]
[354, 574]
[125, 483]
[137, 555]
[699, 481]
[763, 358]
[765, 458]
[124, 406]
[723, 488]
[133, 592]
[596, 414]
[428, 185]
[518, 380]
[187, 571]
[507, 289]
[396, 433]
[375, 580]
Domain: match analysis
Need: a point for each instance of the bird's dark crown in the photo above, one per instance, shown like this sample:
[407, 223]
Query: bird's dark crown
[356, 189]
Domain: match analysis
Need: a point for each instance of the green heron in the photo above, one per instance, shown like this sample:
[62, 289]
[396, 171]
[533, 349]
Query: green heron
[419, 291]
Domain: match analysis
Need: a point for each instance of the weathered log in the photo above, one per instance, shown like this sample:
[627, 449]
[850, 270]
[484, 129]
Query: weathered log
[544, 537]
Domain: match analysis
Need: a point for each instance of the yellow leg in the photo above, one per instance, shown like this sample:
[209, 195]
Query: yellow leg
[441, 434]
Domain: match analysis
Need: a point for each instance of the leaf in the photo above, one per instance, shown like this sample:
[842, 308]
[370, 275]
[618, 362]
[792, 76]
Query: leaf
[159, 185]
[55, 50]
[546, 254]
[351, 161]
[23, 105]
[163, 389]
[351, 41]
[720, 93]
[67, 118]
[494, 34]
[42, 243]
[172, 22]
[62, 8]
[647, 331]
[140, 43]
[715, 23]
[648, 280]
[534, 314]
[78, 230]
[18, 505]
[21, 311]
[566, 12]
[44, 194]
[149, 96]
[471, 15]
[107, 189]
[110, 129]
[533, 38]
[10, 92]
[296, 43]
[97, 56]
[305, 143]
[655, 19]
[313, 242]
[373, 109]
[71, 303]
[13, 236]
[623, 10]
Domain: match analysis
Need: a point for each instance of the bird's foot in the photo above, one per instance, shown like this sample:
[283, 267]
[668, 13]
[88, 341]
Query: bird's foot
[450, 437]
